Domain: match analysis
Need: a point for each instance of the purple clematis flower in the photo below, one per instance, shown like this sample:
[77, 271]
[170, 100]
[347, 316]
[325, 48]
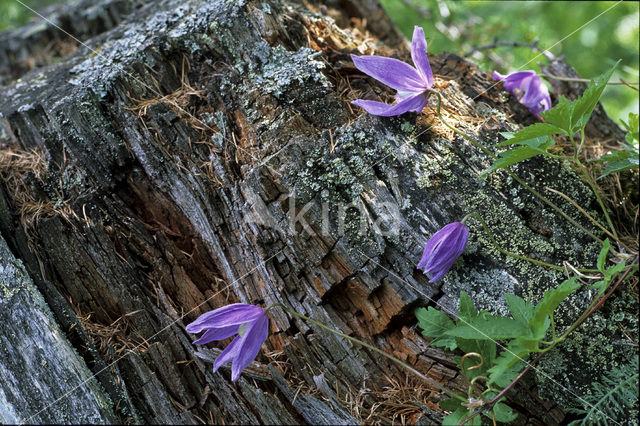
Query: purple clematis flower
[527, 87]
[248, 321]
[411, 83]
[442, 249]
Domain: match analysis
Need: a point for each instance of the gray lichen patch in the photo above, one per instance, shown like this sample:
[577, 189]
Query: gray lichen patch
[168, 25]
[487, 286]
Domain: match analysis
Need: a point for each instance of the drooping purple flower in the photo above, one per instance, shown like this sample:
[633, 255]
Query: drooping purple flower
[248, 321]
[442, 250]
[411, 83]
[527, 87]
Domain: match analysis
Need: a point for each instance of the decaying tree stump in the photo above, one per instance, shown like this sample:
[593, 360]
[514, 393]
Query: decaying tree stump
[182, 155]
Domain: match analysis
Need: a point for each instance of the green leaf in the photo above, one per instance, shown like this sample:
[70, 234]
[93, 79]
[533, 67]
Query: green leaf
[584, 105]
[532, 148]
[531, 132]
[633, 127]
[550, 301]
[433, 322]
[521, 310]
[600, 286]
[503, 413]
[602, 257]
[492, 328]
[507, 366]
[612, 271]
[467, 310]
[452, 404]
[628, 163]
[486, 348]
[446, 342]
[455, 418]
[560, 115]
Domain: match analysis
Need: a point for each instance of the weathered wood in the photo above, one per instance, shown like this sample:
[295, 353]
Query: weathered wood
[173, 159]
[37, 364]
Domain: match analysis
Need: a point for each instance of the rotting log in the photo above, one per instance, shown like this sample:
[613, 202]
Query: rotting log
[32, 344]
[205, 152]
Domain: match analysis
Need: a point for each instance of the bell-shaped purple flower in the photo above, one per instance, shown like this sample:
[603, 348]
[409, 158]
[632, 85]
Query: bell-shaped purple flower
[442, 250]
[527, 87]
[411, 83]
[248, 321]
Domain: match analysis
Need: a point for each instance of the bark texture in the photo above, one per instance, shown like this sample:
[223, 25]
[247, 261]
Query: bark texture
[153, 173]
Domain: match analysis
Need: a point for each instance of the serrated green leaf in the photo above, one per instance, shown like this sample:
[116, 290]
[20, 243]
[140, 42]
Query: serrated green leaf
[503, 413]
[602, 257]
[612, 271]
[433, 322]
[486, 348]
[559, 115]
[520, 309]
[550, 301]
[467, 310]
[633, 128]
[446, 342]
[531, 132]
[600, 287]
[507, 366]
[629, 162]
[512, 156]
[492, 328]
[584, 105]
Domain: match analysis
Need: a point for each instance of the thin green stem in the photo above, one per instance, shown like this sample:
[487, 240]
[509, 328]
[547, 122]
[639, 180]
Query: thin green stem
[586, 80]
[587, 177]
[575, 325]
[515, 255]
[595, 222]
[373, 348]
[512, 174]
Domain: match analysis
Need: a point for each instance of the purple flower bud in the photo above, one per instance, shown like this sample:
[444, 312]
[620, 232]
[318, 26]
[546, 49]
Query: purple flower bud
[442, 250]
[248, 321]
[411, 83]
[527, 87]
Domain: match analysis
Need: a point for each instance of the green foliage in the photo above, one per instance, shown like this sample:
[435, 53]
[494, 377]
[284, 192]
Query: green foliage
[627, 157]
[550, 301]
[566, 118]
[613, 400]
[527, 149]
[523, 334]
[13, 14]
[458, 26]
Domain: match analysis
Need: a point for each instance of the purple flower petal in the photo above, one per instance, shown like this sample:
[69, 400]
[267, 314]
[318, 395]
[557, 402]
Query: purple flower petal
[527, 87]
[415, 103]
[442, 250]
[419, 55]
[450, 248]
[255, 335]
[392, 72]
[234, 314]
[229, 353]
[217, 334]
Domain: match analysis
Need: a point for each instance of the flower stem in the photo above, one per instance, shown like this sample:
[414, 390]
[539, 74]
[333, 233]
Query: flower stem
[373, 348]
[587, 177]
[512, 174]
[517, 256]
[590, 310]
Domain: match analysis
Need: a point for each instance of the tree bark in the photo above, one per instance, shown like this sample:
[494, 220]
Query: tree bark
[202, 153]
